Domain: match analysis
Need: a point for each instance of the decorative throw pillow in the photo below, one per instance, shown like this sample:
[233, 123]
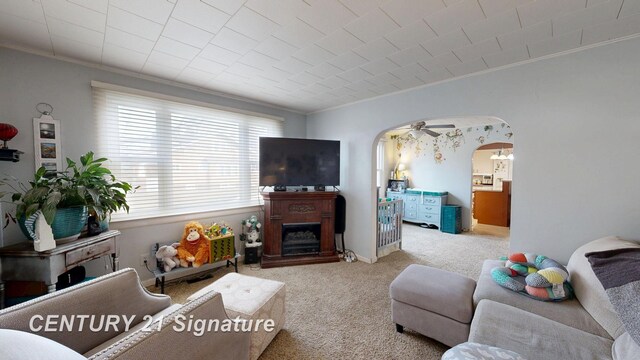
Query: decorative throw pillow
[20, 345]
[475, 351]
[619, 272]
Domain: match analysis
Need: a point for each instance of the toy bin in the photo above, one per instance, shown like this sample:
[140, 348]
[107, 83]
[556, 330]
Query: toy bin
[222, 248]
[451, 219]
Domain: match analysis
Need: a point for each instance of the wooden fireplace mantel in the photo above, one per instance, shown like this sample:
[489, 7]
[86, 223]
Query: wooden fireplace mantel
[293, 208]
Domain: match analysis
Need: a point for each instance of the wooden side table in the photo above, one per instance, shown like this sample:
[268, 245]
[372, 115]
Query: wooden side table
[20, 262]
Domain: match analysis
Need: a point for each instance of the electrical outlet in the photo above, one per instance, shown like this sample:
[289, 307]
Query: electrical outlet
[143, 258]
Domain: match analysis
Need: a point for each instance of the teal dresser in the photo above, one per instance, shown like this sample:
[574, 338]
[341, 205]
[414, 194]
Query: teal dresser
[421, 206]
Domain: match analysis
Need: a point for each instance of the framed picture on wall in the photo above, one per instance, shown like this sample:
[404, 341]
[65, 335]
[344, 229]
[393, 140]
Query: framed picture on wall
[47, 144]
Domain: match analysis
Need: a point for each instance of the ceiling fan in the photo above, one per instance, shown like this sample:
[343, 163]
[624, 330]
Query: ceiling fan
[421, 127]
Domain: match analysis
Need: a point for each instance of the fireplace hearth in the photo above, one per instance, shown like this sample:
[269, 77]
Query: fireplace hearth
[300, 239]
[298, 228]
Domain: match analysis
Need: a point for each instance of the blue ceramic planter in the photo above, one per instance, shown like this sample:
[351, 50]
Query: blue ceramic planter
[67, 223]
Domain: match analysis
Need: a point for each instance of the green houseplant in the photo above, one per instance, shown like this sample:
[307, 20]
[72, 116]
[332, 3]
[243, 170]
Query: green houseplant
[67, 197]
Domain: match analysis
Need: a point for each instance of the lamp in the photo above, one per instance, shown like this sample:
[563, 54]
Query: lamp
[416, 134]
[395, 169]
[7, 132]
[501, 156]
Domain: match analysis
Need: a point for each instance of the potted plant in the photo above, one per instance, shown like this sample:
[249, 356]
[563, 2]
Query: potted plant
[66, 198]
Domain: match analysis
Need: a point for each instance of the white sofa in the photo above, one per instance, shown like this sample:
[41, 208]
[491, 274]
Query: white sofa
[584, 328]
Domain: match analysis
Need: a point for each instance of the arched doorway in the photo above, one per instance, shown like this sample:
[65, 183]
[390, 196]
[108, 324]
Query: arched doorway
[437, 160]
[491, 185]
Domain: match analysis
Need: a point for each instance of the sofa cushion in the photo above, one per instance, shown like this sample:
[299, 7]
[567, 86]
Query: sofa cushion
[588, 288]
[19, 345]
[624, 348]
[568, 312]
[475, 351]
[149, 324]
[534, 336]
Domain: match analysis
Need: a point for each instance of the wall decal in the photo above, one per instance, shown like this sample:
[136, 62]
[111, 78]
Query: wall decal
[450, 141]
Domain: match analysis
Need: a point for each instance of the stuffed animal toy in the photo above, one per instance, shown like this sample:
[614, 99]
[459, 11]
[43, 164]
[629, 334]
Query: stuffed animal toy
[194, 248]
[168, 255]
[252, 226]
[544, 278]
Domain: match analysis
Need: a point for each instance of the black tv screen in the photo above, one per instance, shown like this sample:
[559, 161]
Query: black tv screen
[295, 162]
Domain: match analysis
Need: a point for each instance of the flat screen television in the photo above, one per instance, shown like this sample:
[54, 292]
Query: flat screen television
[299, 162]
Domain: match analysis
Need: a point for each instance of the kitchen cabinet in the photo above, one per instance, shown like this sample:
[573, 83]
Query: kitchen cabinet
[493, 207]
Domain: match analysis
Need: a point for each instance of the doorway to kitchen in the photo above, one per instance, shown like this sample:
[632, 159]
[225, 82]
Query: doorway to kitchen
[491, 185]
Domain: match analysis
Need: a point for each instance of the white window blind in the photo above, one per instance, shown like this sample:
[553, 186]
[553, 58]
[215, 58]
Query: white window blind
[185, 158]
[379, 163]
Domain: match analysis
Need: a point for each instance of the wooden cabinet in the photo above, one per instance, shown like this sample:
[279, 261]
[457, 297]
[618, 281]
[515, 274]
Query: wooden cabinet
[286, 208]
[493, 207]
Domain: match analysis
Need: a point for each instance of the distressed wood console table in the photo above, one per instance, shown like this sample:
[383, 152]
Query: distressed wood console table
[20, 262]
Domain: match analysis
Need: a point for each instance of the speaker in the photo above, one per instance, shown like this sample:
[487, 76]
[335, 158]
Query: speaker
[279, 188]
[341, 213]
[318, 188]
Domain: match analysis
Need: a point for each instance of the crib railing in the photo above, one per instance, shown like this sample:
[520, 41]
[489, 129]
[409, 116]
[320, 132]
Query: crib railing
[390, 223]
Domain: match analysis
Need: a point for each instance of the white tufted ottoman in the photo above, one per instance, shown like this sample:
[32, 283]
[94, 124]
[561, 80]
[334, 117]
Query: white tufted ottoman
[251, 298]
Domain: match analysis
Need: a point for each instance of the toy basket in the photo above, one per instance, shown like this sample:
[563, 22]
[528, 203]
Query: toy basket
[222, 248]
[451, 220]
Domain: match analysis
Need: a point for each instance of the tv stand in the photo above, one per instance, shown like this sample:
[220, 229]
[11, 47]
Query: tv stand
[286, 209]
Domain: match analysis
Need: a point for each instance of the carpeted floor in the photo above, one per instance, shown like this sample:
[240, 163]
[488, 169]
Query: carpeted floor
[342, 310]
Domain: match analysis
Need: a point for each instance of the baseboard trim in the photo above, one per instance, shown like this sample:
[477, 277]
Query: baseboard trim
[365, 259]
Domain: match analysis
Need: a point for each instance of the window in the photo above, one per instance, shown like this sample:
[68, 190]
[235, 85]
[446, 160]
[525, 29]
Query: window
[186, 158]
[380, 163]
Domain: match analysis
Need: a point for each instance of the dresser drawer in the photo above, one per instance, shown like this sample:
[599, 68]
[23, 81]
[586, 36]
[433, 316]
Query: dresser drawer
[430, 218]
[430, 209]
[432, 200]
[410, 215]
[410, 207]
[90, 252]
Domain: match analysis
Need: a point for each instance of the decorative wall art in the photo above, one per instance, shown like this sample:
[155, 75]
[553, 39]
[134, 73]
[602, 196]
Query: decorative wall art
[47, 140]
[450, 141]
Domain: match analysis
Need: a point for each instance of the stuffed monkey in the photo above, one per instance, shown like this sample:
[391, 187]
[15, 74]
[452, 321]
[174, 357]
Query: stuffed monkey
[194, 248]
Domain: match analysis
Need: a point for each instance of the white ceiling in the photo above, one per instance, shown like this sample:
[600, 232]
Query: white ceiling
[312, 54]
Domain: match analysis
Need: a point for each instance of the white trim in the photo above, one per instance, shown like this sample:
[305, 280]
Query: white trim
[155, 95]
[570, 51]
[179, 218]
[366, 259]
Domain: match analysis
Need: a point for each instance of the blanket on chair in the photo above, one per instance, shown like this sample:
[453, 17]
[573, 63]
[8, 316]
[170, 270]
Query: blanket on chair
[619, 272]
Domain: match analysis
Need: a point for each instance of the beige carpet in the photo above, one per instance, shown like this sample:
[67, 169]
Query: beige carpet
[342, 310]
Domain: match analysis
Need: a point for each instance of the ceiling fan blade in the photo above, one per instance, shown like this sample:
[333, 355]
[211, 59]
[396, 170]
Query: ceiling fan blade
[432, 133]
[445, 126]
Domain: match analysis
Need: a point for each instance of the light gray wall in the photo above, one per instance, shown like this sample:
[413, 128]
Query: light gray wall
[570, 185]
[27, 79]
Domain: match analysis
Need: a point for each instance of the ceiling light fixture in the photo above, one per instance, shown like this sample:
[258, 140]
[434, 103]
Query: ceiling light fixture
[501, 156]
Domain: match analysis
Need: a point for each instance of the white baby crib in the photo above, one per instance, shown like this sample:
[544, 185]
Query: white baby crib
[389, 223]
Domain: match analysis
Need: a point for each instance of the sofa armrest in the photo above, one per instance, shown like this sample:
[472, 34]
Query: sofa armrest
[173, 340]
[119, 293]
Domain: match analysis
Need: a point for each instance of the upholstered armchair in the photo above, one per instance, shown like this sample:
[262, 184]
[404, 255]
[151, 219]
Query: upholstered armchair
[154, 328]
